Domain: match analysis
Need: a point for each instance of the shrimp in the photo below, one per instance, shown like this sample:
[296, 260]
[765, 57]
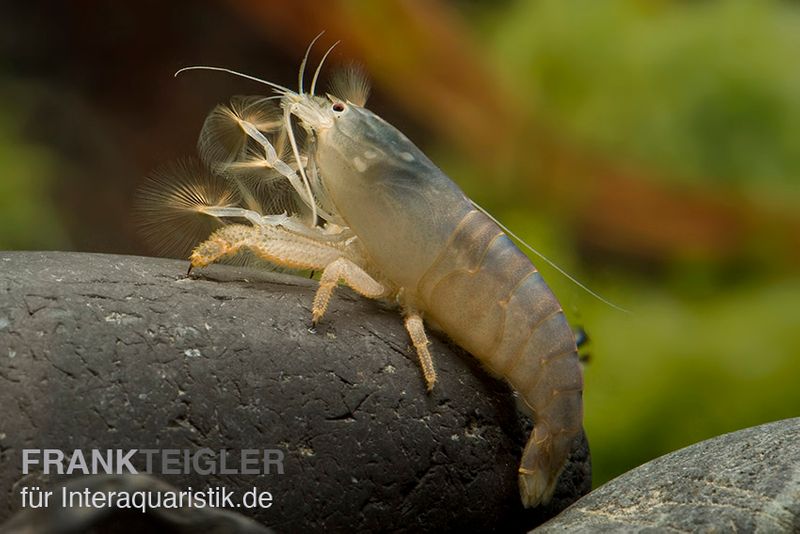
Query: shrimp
[374, 212]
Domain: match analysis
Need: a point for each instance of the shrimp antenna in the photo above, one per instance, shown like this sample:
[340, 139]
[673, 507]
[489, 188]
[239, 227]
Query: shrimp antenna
[551, 263]
[278, 88]
[319, 67]
[305, 60]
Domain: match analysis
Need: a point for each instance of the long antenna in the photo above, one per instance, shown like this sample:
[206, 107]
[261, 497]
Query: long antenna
[319, 67]
[549, 262]
[305, 60]
[278, 88]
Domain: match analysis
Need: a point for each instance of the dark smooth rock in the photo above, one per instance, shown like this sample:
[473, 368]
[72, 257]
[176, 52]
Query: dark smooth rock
[746, 481]
[100, 351]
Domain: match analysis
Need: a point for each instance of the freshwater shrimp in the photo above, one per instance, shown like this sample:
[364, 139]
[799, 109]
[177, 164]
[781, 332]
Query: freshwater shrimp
[372, 211]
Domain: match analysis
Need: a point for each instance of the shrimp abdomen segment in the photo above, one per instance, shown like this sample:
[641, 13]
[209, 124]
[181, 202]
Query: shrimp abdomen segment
[485, 293]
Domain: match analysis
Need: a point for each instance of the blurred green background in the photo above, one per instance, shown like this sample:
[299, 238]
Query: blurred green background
[651, 148]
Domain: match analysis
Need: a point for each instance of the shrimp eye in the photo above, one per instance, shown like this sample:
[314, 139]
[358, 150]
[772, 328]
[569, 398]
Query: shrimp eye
[338, 106]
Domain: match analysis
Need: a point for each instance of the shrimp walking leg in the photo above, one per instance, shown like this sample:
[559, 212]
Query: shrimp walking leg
[352, 275]
[272, 244]
[416, 330]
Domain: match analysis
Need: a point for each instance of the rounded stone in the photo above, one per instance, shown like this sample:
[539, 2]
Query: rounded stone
[116, 352]
[745, 481]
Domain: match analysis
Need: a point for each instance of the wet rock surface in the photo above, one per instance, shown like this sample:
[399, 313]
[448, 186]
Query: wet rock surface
[746, 481]
[118, 352]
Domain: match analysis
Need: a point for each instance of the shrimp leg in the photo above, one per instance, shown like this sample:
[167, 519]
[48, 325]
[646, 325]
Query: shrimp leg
[287, 249]
[273, 244]
[352, 275]
[416, 330]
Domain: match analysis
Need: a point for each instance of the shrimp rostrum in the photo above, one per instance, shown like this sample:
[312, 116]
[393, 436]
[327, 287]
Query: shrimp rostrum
[360, 203]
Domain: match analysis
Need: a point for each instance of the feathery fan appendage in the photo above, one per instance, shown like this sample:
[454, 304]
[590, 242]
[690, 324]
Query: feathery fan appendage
[223, 139]
[230, 152]
[169, 207]
[351, 84]
[261, 111]
[252, 168]
[240, 145]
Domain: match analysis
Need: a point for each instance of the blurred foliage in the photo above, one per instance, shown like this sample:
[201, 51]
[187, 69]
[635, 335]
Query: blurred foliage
[29, 213]
[680, 370]
[702, 98]
[707, 91]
